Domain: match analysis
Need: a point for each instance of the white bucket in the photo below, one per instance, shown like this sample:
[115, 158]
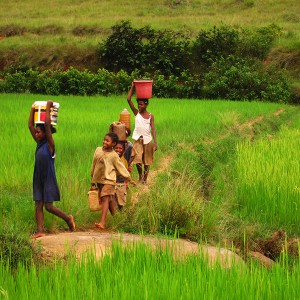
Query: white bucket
[40, 112]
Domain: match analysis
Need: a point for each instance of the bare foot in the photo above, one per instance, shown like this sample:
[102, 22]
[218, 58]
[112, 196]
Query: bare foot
[99, 225]
[71, 223]
[38, 235]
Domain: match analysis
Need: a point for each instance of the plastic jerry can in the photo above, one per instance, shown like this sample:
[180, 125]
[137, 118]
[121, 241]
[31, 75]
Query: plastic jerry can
[125, 118]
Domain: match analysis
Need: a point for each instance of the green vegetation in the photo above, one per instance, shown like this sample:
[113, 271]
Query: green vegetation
[204, 151]
[258, 179]
[209, 187]
[233, 78]
[87, 22]
[138, 273]
[196, 53]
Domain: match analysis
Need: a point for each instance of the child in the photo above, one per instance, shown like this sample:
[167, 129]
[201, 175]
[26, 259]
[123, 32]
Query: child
[103, 172]
[121, 187]
[45, 188]
[128, 147]
[143, 147]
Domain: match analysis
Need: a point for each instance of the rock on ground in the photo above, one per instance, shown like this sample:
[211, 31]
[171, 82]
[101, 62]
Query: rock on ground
[79, 243]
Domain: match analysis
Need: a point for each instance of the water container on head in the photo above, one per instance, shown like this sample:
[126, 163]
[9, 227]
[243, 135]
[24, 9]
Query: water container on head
[125, 118]
[40, 112]
[143, 88]
[119, 129]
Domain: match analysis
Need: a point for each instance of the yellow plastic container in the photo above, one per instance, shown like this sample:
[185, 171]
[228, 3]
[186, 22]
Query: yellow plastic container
[125, 118]
[40, 112]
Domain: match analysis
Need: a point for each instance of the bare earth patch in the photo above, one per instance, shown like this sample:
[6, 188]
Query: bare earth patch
[100, 243]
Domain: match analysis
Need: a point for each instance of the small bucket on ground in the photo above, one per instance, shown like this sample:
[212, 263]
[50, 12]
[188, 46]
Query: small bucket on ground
[40, 112]
[94, 204]
[143, 88]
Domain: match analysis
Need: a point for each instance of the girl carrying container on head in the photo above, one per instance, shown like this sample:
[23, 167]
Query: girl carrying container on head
[144, 145]
[45, 188]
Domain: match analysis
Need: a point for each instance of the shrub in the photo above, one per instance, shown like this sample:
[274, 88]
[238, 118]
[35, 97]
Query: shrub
[48, 83]
[16, 83]
[144, 49]
[74, 82]
[15, 249]
[237, 78]
[122, 49]
[214, 43]
[259, 42]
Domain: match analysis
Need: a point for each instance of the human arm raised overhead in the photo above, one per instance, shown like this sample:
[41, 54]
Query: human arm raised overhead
[31, 122]
[48, 127]
[129, 96]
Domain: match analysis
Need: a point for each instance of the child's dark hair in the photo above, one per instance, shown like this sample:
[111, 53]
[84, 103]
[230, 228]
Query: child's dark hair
[42, 127]
[121, 143]
[146, 101]
[113, 136]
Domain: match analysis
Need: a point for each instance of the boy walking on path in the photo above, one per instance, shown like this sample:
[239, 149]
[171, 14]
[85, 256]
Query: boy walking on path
[144, 136]
[106, 163]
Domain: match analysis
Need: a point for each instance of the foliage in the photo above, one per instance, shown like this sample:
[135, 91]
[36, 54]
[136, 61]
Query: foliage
[212, 44]
[220, 42]
[15, 248]
[145, 49]
[222, 62]
[232, 78]
[258, 43]
[239, 78]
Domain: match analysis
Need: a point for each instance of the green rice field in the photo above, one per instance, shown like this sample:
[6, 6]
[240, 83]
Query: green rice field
[222, 170]
[138, 273]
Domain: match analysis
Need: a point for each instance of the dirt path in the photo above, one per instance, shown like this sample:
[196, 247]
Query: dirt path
[100, 243]
[143, 188]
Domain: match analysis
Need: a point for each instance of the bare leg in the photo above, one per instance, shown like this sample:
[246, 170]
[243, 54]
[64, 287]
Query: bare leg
[59, 213]
[39, 216]
[112, 205]
[146, 172]
[140, 171]
[105, 206]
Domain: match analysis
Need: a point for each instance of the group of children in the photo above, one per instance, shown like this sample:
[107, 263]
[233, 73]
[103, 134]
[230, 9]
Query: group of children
[110, 166]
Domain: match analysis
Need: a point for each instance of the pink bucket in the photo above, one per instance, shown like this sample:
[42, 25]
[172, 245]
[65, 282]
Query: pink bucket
[143, 88]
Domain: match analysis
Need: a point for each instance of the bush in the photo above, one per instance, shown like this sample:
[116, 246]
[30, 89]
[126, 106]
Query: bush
[122, 49]
[74, 82]
[144, 49]
[237, 78]
[259, 42]
[16, 83]
[15, 249]
[47, 83]
[213, 44]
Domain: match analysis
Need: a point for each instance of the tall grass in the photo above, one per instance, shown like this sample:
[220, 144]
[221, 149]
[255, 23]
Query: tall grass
[268, 176]
[184, 127]
[137, 272]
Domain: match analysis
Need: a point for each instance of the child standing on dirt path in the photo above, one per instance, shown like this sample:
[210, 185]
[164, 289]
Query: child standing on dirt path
[143, 146]
[45, 188]
[106, 163]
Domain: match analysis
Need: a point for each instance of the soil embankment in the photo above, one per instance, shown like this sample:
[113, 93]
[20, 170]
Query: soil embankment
[100, 243]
